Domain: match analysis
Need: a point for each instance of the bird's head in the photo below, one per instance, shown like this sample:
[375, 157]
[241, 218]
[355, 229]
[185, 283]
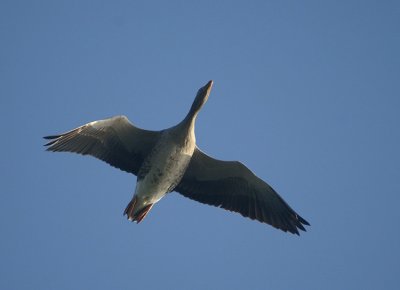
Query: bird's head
[201, 98]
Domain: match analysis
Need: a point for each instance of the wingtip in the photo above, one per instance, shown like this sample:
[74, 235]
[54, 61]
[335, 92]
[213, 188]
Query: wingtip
[294, 225]
[302, 221]
[50, 137]
[300, 224]
[49, 144]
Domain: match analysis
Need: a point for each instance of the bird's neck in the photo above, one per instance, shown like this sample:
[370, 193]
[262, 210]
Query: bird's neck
[188, 123]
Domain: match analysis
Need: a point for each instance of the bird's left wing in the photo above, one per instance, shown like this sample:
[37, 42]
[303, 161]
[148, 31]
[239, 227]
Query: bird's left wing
[115, 141]
[232, 186]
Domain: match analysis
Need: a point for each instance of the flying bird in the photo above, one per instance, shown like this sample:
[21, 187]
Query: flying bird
[169, 160]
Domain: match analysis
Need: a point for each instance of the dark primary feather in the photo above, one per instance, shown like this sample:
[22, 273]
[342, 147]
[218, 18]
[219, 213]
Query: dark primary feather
[232, 186]
[115, 141]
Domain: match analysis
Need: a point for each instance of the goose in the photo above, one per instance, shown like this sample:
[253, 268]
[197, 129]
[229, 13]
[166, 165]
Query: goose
[169, 160]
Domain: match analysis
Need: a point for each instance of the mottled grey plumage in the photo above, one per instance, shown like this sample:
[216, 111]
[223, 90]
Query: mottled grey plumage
[169, 160]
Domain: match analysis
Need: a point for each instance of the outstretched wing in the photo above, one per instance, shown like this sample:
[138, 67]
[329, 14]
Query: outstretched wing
[232, 186]
[115, 141]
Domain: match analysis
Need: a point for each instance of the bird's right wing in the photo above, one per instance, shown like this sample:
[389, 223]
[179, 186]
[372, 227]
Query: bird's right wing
[232, 186]
[115, 141]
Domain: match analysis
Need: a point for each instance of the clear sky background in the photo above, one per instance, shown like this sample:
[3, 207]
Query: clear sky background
[306, 94]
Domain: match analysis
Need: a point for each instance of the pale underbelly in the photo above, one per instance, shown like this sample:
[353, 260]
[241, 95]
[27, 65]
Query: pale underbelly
[163, 176]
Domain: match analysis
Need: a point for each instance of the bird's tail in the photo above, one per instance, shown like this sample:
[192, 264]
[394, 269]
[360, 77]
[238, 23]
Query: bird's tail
[135, 214]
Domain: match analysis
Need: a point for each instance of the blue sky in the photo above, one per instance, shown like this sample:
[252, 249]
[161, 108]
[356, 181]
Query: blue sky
[306, 94]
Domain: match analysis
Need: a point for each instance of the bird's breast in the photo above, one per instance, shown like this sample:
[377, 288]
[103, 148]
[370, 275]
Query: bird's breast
[163, 169]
